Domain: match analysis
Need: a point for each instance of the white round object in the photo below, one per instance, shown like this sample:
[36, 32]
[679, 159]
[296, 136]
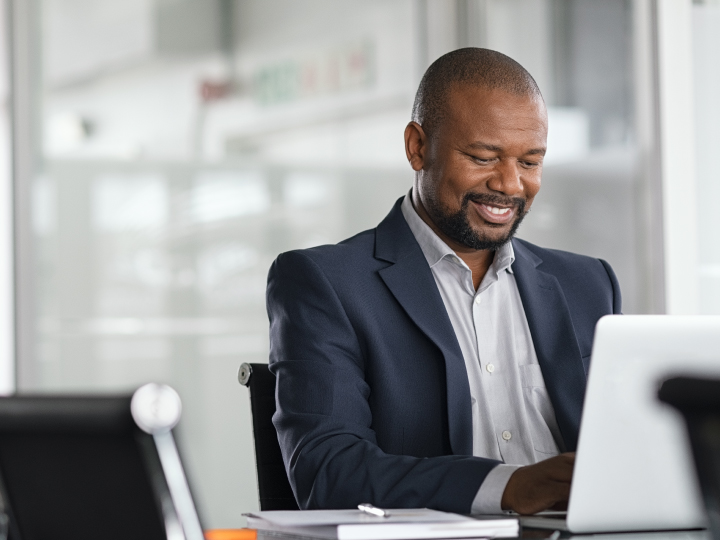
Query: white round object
[506, 435]
[156, 408]
[490, 368]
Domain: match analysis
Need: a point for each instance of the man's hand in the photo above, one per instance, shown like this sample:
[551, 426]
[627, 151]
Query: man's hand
[541, 486]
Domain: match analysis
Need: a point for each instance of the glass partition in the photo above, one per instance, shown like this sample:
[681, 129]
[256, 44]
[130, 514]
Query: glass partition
[183, 144]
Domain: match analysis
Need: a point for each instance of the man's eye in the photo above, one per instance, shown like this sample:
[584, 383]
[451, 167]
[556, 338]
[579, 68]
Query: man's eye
[530, 164]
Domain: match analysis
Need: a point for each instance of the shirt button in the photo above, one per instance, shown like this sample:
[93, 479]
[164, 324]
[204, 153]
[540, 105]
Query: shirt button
[478, 299]
[506, 435]
[490, 368]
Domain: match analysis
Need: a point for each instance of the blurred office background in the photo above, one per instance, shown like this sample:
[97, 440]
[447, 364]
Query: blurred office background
[157, 155]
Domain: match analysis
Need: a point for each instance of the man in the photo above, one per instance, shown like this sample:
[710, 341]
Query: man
[435, 361]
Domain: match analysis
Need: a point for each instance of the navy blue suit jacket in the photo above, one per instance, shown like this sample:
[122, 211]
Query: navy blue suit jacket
[373, 402]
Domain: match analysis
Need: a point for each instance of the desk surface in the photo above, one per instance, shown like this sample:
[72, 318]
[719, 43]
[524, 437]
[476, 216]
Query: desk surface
[540, 534]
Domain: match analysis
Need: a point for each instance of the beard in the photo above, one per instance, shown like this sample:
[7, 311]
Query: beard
[457, 225]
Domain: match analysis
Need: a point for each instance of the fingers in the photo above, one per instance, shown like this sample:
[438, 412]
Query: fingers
[543, 497]
[541, 486]
[559, 491]
[560, 473]
[560, 468]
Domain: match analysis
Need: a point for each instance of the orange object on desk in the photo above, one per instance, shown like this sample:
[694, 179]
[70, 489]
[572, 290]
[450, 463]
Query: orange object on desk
[231, 534]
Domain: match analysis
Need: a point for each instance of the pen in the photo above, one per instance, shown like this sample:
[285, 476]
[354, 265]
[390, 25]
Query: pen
[373, 510]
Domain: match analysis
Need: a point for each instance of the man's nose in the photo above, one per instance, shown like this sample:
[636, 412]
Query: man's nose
[507, 179]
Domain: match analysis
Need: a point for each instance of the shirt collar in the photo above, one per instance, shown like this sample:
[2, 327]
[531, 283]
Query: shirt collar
[436, 250]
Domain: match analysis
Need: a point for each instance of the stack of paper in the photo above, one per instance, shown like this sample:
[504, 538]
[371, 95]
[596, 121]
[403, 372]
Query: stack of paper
[402, 524]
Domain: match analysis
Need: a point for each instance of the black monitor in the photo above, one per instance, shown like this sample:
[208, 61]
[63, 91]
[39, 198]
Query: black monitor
[82, 468]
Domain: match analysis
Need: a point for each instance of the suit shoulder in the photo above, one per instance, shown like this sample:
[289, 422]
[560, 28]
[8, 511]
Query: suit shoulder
[572, 269]
[358, 249]
[557, 258]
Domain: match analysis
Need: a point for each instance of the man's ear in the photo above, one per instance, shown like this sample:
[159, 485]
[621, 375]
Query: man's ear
[415, 145]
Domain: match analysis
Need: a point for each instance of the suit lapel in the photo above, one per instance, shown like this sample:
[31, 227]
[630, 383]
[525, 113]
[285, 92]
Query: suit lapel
[411, 282]
[555, 342]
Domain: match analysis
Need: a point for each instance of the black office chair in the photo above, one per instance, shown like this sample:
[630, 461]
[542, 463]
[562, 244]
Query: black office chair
[699, 402]
[94, 468]
[273, 485]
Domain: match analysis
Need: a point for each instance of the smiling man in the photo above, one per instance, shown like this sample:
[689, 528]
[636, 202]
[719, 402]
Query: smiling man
[435, 361]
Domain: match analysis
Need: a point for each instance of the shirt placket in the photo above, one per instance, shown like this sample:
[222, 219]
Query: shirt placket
[506, 424]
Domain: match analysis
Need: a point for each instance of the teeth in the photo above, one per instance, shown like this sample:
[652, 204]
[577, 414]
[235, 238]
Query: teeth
[496, 210]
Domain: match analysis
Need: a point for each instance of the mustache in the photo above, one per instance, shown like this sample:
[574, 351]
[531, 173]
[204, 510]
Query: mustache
[494, 199]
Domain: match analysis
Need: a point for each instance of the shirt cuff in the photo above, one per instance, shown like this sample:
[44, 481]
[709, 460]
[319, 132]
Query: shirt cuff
[489, 497]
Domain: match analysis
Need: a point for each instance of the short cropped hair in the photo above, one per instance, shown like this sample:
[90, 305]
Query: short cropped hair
[473, 66]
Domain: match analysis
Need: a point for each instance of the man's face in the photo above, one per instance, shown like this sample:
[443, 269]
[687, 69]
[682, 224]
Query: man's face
[482, 166]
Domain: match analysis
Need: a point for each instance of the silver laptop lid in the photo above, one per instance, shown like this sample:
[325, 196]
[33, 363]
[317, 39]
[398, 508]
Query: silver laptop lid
[634, 468]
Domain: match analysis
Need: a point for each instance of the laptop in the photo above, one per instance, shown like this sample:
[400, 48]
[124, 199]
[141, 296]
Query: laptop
[634, 468]
[94, 467]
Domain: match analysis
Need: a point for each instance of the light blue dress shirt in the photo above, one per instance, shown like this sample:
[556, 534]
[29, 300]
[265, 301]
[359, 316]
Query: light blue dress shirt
[512, 416]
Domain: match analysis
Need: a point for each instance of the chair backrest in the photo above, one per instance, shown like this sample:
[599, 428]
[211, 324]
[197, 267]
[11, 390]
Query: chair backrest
[699, 402]
[273, 486]
[94, 467]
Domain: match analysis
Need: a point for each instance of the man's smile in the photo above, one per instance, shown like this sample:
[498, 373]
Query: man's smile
[495, 214]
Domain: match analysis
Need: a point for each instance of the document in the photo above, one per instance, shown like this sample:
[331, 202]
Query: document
[401, 524]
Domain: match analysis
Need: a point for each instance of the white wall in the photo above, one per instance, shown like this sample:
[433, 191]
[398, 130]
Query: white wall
[677, 145]
[706, 66]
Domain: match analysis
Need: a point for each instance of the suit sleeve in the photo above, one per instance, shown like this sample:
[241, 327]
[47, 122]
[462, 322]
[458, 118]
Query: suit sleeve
[323, 418]
[617, 298]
